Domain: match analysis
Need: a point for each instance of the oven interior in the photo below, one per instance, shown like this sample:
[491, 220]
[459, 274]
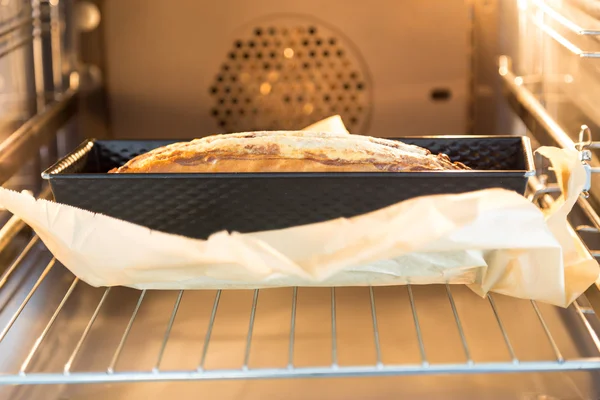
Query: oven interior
[77, 69]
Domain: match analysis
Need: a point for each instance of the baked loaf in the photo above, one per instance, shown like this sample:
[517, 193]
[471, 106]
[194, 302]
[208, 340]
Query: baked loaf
[288, 151]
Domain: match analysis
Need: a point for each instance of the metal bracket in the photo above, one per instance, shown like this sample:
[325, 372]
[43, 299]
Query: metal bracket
[584, 145]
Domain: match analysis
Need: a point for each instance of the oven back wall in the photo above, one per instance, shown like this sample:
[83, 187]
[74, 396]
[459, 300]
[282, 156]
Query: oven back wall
[187, 68]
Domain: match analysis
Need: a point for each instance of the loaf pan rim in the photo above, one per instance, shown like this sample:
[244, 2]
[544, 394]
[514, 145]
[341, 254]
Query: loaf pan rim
[55, 170]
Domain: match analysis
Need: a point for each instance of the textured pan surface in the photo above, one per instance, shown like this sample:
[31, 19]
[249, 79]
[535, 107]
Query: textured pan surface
[197, 204]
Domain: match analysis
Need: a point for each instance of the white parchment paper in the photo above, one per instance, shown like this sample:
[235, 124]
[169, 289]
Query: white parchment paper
[492, 240]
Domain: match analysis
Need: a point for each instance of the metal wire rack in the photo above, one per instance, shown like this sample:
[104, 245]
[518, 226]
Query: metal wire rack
[74, 328]
[549, 14]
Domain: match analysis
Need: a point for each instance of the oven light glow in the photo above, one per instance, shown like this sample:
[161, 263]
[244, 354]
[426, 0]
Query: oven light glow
[522, 4]
[265, 88]
[288, 52]
[74, 80]
[518, 80]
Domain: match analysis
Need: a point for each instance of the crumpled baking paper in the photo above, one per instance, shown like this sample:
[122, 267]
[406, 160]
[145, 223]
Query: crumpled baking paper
[492, 240]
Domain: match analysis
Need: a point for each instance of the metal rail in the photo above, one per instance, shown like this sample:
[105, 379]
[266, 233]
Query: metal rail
[292, 328]
[563, 20]
[21, 307]
[546, 129]
[84, 335]
[459, 326]
[509, 346]
[15, 25]
[309, 372]
[163, 346]
[250, 330]
[536, 112]
[411, 298]
[117, 354]
[540, 122]
[375, 328]
[25, 142]
[209, 330]
[334, 356]
[557, 17]
[16, 44]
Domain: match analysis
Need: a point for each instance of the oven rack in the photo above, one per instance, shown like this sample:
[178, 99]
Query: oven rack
[45, 331]
[545, 128]
[566, 19]
[112, 374]
[34, 32]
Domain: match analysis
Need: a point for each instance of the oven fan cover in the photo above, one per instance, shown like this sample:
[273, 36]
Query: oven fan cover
[287, 73]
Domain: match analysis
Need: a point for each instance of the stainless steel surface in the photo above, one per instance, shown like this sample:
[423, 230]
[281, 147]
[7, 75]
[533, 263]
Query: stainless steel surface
[375, 328]
[405, 63]
[334, 355]
[533, 107]
[551, 89]
[509, 346]
[290, 363]
[429, 342]
[542, 125]
[168, 331]
[25, 142]
[286, 72]
[558, 17]
[86, 331]
[32, 108]
[39, 340]
[13, 318]
[250, 330]
[14, 25]
[115, 357]
[413, 309]
[573, 26]
[490, 38]
[566, 43]
[557, 353]
[463, 339]
[211, 323]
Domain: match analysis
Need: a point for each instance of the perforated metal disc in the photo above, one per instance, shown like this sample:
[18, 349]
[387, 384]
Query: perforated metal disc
[287, 73]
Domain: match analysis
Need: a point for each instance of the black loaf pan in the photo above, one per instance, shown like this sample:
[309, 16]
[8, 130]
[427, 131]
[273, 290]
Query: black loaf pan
[199, 204]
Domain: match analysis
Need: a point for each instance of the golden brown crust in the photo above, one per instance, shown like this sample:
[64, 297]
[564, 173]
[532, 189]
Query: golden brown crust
[294, 151]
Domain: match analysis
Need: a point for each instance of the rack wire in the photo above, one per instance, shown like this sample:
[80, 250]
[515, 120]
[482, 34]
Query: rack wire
[549, 14]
